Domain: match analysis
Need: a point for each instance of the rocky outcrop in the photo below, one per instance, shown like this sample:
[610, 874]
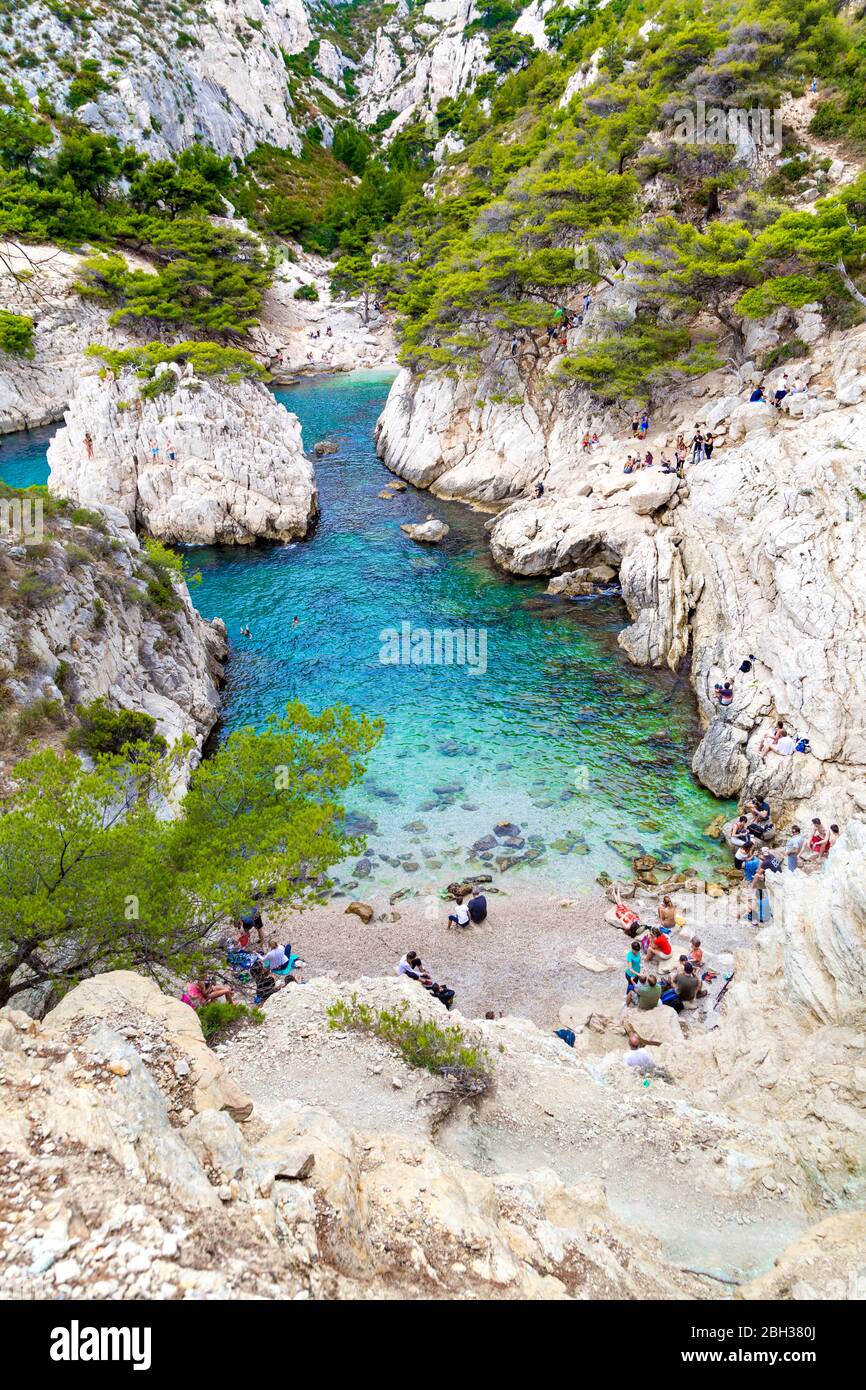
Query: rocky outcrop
[215, 75]
[410, 67]
[78, 624]
[119, 1189]
[37, 283]
[205, 462]
[754, 552]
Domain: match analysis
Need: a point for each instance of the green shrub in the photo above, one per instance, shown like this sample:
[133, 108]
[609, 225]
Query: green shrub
[103, 730]
[784, 352]
[34, 590]
[37, 715]
[98, 614]
[215, 1019]
[442, 1051]
[83, 516]
[16, 334]
[308, 292]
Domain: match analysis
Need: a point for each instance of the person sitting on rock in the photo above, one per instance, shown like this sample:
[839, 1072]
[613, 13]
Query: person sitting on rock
[585, 443]
[630, 465]
[637, 1055]
[538, 490]
[696, 954]
[410, 965]
[276, 956]
[264, 982]
[762, 828]
[632, 970]
[477, 907]
[819, 842]
[667, 913]
[660, 946]
[687, 983]
[737, 831]
[724, 694]
[649, 992]
[751, 864]
[757, 397]
[648, 459]
[460, 915]
[770, 741]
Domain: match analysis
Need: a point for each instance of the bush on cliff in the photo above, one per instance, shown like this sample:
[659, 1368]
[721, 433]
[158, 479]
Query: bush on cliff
[16, 334]
[94, 878]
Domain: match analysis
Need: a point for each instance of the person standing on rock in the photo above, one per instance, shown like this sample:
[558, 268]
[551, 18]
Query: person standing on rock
[88, 444]
[794, 848]
[709, 445]
[697, 447]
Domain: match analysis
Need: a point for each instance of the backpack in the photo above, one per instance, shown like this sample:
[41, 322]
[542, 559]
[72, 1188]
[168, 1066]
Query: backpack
[802, 746]
[567, 1035]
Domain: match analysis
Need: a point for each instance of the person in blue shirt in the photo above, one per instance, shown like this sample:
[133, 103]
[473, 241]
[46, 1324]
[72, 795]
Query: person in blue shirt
[751, 865]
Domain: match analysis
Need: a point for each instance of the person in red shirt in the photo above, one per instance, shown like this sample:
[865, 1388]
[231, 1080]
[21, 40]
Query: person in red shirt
[660, 946]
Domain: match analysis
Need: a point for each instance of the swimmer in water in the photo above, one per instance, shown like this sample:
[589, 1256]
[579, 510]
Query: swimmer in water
[245, 632]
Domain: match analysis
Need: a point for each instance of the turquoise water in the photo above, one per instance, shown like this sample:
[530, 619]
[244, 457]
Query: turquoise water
[560, 735]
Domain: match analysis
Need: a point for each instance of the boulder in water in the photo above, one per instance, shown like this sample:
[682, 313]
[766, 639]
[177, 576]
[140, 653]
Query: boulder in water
[324, 447]
[430, 532]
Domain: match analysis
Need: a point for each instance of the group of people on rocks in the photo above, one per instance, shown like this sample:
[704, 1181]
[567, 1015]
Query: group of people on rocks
[651, 974]
[249, 966]
[701, 449]
[784, 387]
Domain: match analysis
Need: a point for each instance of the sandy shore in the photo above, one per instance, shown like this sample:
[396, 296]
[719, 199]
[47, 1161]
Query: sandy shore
[523, 960]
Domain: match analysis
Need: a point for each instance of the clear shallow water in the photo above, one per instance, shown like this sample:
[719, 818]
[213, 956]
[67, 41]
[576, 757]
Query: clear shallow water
[587, 755]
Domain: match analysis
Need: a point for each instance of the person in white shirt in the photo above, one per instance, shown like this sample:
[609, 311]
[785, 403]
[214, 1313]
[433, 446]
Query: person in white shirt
[460, 915]
[785, 746]
[637, 1056]
[276, 957]
[410, 965]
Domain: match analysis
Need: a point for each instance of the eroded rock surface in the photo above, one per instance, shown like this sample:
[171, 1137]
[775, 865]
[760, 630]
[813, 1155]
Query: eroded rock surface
[207, 462]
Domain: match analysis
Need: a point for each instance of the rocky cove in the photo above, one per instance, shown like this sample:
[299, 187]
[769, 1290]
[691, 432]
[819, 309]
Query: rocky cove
[585, 756]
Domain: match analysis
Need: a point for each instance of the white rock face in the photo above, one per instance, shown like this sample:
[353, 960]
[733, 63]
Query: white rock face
[757, 551]
[412, 69]
[96, 621]
[206, 462]
[35, 391]
[216, 74]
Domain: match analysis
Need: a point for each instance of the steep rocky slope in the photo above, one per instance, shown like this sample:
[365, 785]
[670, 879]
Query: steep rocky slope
[77, 621]
[133, 1167]
[161, 76]
[203, 462]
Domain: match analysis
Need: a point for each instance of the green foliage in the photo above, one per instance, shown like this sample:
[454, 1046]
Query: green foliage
[86, 85]
[421, 1043]
[211, 278]
[205, 359]
[93, 877]
[16, 334]
[126, 732]
[639, 356]
[507, 51]
[307, 292]
[220, 1018]
[791, 351]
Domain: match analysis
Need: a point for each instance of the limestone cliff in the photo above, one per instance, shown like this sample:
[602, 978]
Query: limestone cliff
[204, 462]
[77, 622]
[753, 552]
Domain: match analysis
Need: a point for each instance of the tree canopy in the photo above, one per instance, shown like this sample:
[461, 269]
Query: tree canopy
[93, 878]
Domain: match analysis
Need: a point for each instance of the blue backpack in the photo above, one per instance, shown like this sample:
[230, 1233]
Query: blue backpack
[567, 1035]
